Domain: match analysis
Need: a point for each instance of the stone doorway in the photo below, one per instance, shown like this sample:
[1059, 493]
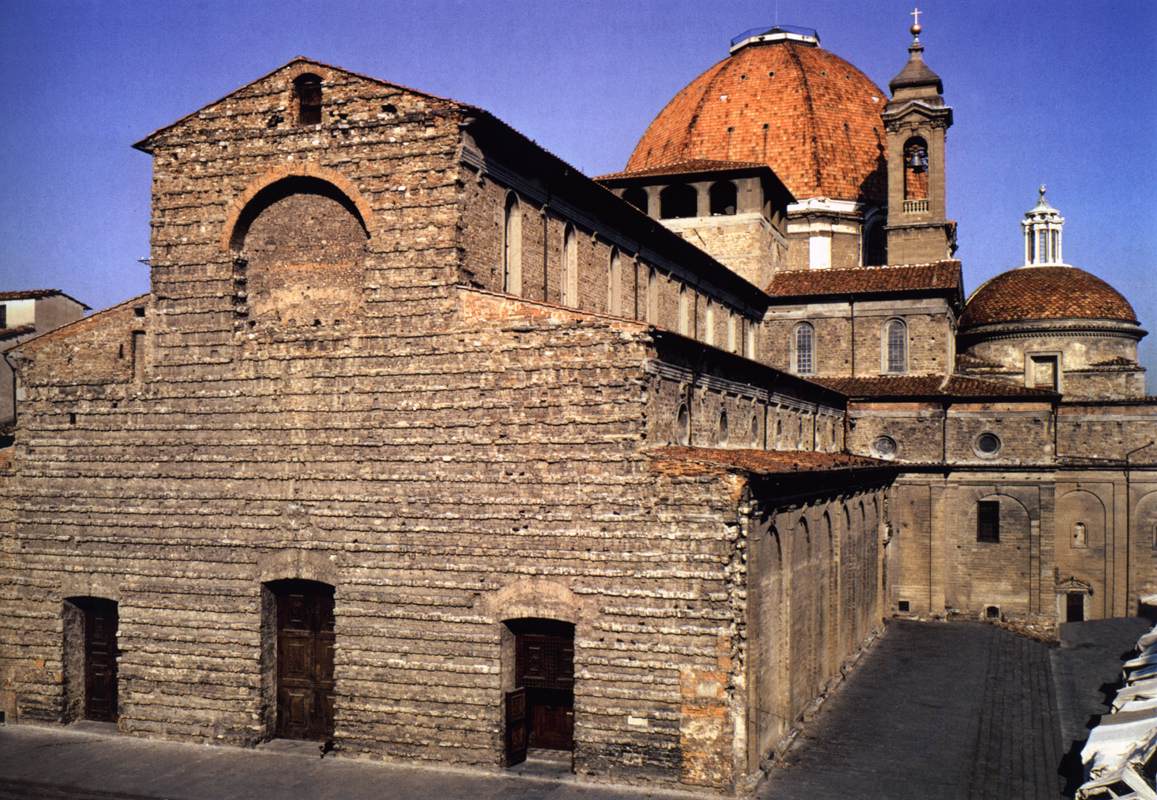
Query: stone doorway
[1075, 607]
[540, 707]
[303, 635]
[90, 658]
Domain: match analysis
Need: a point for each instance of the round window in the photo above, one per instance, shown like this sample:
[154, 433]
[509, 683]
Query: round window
[987, 444]
[884, 446]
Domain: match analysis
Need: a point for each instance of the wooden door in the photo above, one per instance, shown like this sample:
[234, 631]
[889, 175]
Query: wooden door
[305, 639]
[516, 727]
[100, 660]
[544, 667]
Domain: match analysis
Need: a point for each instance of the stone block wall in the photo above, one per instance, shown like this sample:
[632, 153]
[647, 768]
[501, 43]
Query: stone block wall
[1092, 365]
[649, 286]
[697, 403]
[813, 599]
[747, 243]
[839, 326]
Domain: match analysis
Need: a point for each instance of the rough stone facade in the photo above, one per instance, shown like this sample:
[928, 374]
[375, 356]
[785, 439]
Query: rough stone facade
[396, 350]
[24, 314]
[328, 384]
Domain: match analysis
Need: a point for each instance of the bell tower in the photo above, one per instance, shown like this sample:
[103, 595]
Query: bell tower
[916, 122]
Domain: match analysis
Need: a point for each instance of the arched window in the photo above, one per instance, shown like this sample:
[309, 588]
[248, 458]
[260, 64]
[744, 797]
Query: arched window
[512, 246]
[805, 337]
[723, 199]
[679, 200]
[916, 170]
[615, 284]
[636, 197]
[709, 323]
[895, 346]
[723, 431]
[569, 268]
[683, 425]
[684, 310]
[307, 95]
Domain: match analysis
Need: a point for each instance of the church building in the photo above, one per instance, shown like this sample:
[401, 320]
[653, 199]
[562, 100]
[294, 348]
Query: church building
[426, 447]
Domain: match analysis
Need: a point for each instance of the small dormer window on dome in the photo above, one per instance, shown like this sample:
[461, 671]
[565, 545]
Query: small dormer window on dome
[1043, 228]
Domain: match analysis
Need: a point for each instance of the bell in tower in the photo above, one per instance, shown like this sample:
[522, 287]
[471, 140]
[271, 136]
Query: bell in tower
[916, 121]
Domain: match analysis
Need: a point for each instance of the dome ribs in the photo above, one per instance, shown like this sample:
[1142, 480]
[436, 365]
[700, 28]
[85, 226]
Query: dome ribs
[806, 113]
[809, 117]
[1045, 293]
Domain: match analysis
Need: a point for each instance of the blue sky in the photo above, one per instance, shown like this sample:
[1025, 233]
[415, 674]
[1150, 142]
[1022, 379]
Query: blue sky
[1061, 92]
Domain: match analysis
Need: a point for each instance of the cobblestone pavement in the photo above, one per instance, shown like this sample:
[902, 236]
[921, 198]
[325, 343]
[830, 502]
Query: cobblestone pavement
[935, 710]
[951, 711]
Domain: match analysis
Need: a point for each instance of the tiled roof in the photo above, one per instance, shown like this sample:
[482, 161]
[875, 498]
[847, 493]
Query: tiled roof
[698, 460]
[1039, 293]
[19, 330]
[940, 276]
[37, 294]
[954, 386]
[29, 294]
[808, 114]
[684, 167]
[970, 361]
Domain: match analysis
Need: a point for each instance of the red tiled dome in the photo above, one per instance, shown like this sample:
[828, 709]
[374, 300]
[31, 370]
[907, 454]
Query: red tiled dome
[1035, 293]
[808, 114]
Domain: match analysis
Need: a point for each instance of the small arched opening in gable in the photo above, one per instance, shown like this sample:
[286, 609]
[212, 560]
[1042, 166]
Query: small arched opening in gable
[307, 98]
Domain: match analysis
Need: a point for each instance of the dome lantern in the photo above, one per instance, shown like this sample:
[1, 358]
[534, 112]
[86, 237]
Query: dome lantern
[1043, 228]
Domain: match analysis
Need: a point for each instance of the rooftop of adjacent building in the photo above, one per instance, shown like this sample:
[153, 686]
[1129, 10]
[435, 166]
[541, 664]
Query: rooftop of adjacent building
[37, 294]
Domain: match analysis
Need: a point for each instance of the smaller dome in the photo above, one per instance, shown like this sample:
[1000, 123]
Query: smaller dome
[1044, 293]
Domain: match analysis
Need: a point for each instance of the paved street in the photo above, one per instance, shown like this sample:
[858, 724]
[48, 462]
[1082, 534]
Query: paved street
[957, 710]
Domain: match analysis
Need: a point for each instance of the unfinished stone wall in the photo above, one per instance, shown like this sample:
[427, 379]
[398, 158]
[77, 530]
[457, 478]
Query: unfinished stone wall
[446, 458]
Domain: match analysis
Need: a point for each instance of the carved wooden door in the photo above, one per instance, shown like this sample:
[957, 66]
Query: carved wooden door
[305, 641]
[545, 668]
[100, 660]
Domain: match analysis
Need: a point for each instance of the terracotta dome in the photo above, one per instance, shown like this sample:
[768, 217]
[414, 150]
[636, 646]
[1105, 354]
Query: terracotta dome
[1044, 293]
[808, 114]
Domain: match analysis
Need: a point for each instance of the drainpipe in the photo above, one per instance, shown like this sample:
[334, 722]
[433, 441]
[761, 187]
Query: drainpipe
[1129, 519]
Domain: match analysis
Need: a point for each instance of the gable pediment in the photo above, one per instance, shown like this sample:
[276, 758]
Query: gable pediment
[266, 104]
